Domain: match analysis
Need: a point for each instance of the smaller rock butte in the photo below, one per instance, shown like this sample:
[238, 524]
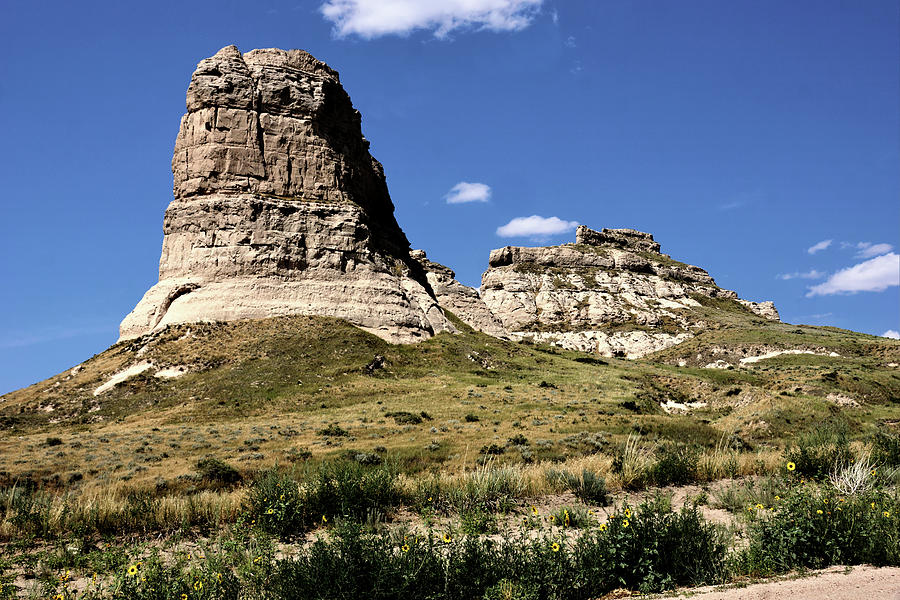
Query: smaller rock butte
[610, 292]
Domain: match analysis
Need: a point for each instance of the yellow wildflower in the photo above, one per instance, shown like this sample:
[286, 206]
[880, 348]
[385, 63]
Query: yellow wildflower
[198, 585]
[627, 513]
[624, 523]
[819, 511]
[602, 526]
[132, 570]
[447, 538]
[791, 466]
[887, 513]
[405, 547]
[555, 547]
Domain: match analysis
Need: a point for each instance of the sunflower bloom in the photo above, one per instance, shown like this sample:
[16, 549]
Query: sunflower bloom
[624, 523]
[819, 511]
[198, 585]
[447, 538]
[555, 547]
[791, 466]
[627, 513]
[886, 513]
[602, 526]
[132, 570]
[405, 547]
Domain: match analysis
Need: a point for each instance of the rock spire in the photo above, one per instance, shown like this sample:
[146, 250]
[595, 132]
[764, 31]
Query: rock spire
[280, 209]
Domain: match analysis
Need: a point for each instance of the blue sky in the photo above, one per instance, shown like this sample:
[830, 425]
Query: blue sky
[744, 135]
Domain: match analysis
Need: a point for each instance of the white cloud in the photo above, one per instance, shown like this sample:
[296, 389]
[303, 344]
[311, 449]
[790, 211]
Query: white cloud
[535, 226]
[812, 274]
[868, 249]
[890, 333]
[373, 18]
[874, 275]
[819, 247]
[468, 192]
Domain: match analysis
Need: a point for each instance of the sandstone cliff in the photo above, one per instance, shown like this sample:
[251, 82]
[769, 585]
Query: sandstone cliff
[280, 209]
[461, 300]
[610, 292]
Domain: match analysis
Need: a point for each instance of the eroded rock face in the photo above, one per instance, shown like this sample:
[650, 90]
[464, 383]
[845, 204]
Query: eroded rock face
[611, 292]
[280, 209]
[461, 300]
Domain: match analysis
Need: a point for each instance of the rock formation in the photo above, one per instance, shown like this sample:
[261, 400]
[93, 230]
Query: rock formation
[611, 292]
[461, 300]
[280, 209]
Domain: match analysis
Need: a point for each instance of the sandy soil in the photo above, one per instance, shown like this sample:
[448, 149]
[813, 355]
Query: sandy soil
[836, 583]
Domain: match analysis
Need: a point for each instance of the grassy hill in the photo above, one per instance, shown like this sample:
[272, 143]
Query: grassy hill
[255, 393]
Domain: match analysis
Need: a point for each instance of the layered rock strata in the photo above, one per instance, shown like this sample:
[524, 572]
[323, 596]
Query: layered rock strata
[611, 292]
[280, 209]
[461, 300]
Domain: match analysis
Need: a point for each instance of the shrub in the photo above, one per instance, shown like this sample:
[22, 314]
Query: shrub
[478, 521]
[471, 418]
[819, 451]
[886, 449]
[675, 465]
[576, 517]
[587, 487]
[815, 528]
[338, 489]
[493, 450]
[216, 471]
[404, 418]
[333, 430]
[652, 550]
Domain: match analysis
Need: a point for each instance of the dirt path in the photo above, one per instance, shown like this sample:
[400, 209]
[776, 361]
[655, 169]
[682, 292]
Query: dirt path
[836, 583]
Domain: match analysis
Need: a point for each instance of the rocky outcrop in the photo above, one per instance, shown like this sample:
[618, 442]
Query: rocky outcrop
[611, 292]
[280, 209]
[461, 300]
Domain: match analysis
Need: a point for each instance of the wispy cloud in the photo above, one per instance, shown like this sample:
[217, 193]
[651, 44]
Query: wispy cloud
[868, 249]
[732, 205]
[819, 247]
[890, 333]
[535, 226]
[374, 18]
[811, 274]
[464, 192]
[874, 275]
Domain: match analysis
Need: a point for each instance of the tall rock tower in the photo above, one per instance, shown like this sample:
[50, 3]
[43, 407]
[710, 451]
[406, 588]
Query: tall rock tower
[280, 209]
